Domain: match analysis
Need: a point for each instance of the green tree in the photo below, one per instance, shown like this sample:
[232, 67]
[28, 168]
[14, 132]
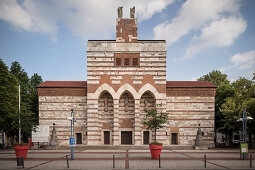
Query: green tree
[34, 81]
[8, 101]
[215, 77]
[155, 120]
[231, 112]
[253, 76]
[243, 89]
[223, 92]
[23, 80]
[233, 108]
[29, 101]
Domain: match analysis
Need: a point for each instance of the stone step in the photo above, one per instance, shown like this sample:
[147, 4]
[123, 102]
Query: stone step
[129, 147]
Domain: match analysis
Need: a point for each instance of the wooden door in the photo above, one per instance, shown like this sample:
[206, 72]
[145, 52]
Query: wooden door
[146, 137]
[174, 138]
[106, 137]
[78, 138]
[126, 137]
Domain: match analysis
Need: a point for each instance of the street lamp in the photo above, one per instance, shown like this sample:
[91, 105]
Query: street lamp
[244, 120]
[72, 138]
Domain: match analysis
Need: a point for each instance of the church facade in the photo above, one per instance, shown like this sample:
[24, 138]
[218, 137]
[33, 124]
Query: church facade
[124, 77]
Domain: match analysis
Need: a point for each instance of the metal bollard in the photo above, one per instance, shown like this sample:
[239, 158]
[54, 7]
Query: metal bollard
[67, 162]
[205, 160]
[159, 163]
[113, 163]
[251, 161]
[20, 161]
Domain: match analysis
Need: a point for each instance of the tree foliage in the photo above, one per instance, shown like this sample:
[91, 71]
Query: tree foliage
[215, 77]
[230, 101]
[9, 82]
[155, 120]
[8, 99]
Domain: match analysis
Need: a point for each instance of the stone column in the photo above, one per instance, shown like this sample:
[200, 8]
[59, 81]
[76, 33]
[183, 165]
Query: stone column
[138, 133]
[116, 126]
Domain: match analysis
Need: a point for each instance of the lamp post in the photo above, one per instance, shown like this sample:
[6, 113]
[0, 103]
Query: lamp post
[244, 120]
[19, 118]
[72, 138]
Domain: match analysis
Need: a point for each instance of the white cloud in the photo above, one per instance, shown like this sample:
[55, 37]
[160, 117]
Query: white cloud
[221, 33]
[241, 63]
[10, 11]
[218, 23]
[192, 15]
[244, 60]
[86, 18]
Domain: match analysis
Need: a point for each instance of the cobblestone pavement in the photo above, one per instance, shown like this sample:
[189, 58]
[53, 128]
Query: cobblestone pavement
[136, 159]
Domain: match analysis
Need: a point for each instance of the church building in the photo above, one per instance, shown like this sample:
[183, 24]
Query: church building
[124, 77]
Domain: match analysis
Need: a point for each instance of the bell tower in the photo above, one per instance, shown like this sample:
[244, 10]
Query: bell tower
[126, 28]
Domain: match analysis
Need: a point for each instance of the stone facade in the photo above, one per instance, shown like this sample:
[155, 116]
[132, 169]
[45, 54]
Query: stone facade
[54, 107]
[124, 77]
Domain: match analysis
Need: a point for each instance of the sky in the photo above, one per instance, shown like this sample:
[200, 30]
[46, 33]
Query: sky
[49, 37]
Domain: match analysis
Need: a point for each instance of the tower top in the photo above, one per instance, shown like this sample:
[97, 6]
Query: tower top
[120, 12]
[126, 28]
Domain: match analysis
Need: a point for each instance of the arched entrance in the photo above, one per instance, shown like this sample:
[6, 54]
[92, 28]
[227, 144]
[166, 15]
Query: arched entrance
[127, 118]
[147, 102]
[105, 117]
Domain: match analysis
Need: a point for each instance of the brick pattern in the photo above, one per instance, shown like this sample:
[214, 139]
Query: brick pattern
[62, 91]
[101, 70]
[56, 109]
[143, 85]
[186, 112]
[203, 92]
[126, 30]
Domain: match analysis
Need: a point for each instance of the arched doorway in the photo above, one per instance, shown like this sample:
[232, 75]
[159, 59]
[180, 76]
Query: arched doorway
[105, 116]
[147, 102]
[127, 118]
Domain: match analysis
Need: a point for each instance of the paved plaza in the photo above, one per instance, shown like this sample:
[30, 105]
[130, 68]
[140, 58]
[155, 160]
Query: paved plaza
[133, 159]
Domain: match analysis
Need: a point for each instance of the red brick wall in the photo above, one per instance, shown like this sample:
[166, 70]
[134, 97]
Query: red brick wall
[62, 91]
[202, 92]
[125, 28]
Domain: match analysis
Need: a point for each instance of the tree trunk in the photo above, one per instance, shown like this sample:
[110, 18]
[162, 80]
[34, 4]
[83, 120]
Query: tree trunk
[155, 135]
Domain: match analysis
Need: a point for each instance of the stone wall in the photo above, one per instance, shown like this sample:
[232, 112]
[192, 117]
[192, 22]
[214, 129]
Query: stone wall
[55, 106]
[187, 108]
[104, 75]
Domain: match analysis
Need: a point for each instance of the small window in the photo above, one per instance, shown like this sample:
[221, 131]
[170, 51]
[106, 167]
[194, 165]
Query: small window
[118, 61]
[135, 61]
[126, 61]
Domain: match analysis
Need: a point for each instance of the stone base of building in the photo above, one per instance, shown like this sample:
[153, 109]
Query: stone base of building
[124, 147]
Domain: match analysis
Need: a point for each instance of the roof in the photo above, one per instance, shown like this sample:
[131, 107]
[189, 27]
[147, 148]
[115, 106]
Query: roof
[63, 84]
[83, 84]
[137, 40]
[191, 84]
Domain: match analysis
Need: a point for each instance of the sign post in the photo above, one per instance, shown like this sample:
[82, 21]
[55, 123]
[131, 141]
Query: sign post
[72, 138]
[72, 141]
[244, 149]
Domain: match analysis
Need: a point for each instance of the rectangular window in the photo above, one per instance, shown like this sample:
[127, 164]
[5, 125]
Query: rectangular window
[118, 61]
[126, 62]
[135, 61]
[126, 59]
